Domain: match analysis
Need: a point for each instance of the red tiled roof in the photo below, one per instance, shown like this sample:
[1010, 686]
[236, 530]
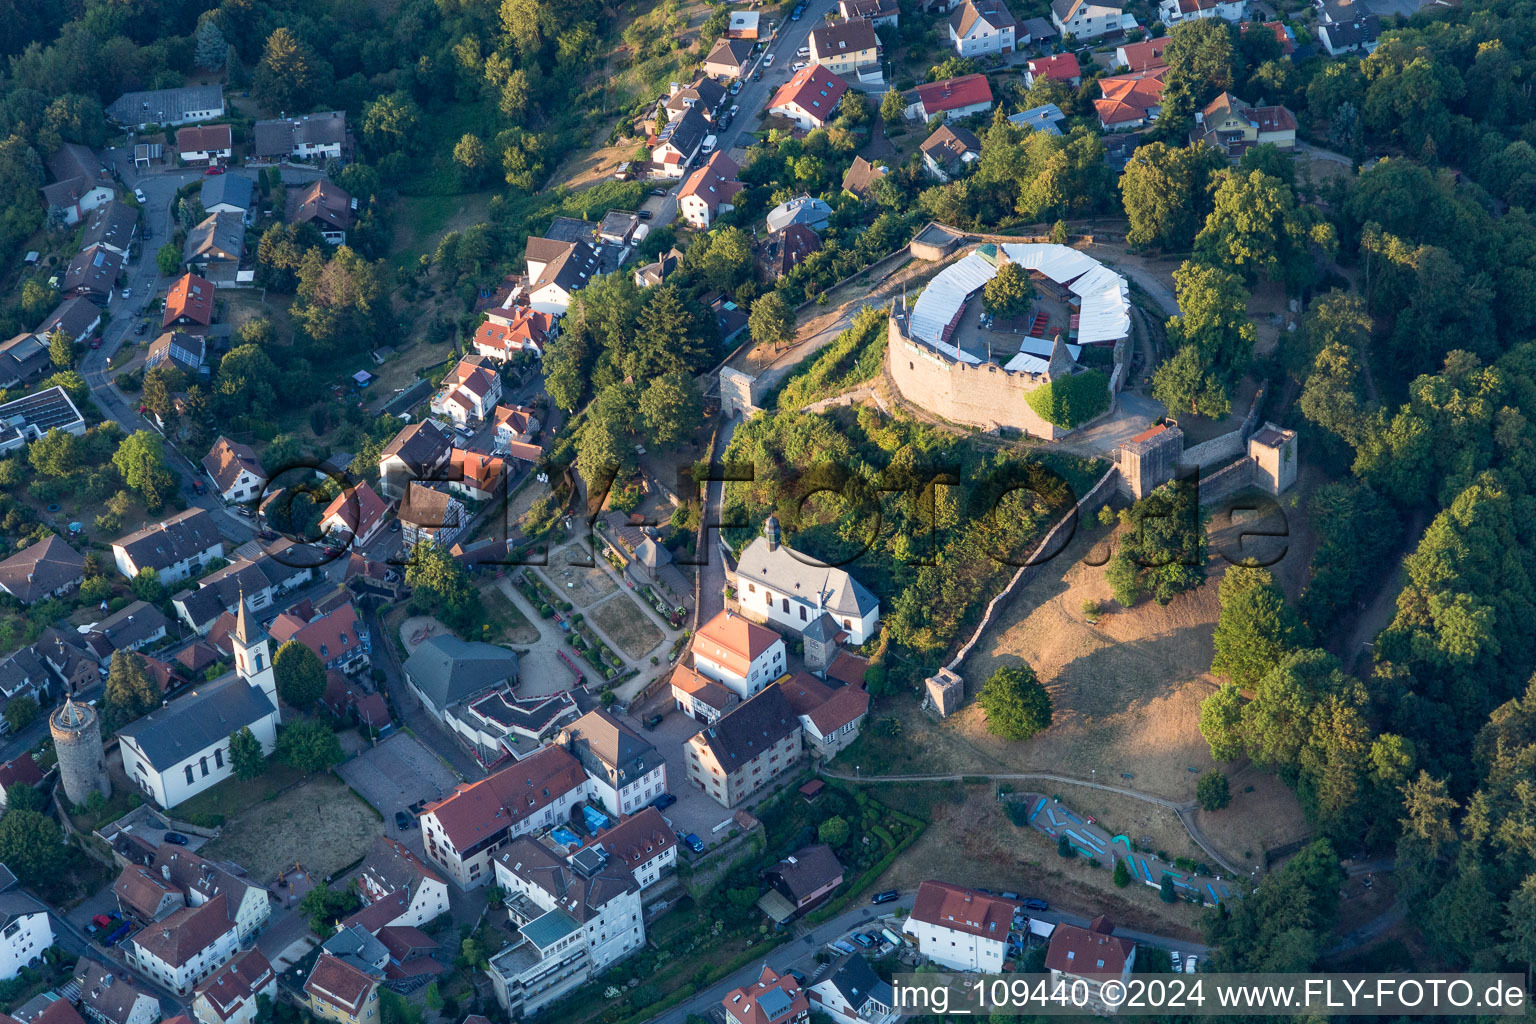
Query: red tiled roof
[1059, 67]
[339, 984]
[813, 89]
[227, 459]
[733, 641]
[483, 810]
[329, 636]
[201, 138]
[964, 910]
[954, 93]
[192, 297]
[1146, 54]
[743, 1004]
[714, 183]
[236, 983]
[1130, 97]
[20, 770]
[848, 668]
[187, 932]
[1088, 952]
[357, 508]
[1150, 432]
[638, 838]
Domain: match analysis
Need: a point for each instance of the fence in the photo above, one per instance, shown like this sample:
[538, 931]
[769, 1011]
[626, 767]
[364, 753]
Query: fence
[1088, 503]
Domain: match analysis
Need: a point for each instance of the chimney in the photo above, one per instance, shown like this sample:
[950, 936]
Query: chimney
[165, 870]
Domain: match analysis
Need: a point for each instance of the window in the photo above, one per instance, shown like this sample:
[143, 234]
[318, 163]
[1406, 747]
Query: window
[218, 758]
[802, 613]
[203, 763]
[785, 603]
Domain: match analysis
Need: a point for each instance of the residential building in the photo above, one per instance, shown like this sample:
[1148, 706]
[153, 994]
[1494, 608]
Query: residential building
[430, 513]
[421, 451]
[21, 770]
[130, 628]
[186, 947]
[705, 94]
[1035, 30]
[26, 930]
[390, 869]
[644, 843]
[862, 176]
[202, 144]
[700, 697]
[1146, 55]
[847, 47]
[464, 830]
[44, 569]
[325, 205]
[1359, 34]
[176, 547]
[982, 27]
[24, 673]
[260, 582]
[515, 424]
[773, 999]
[830, 715]
[230, 193]
[739, 654]
[216, 244]
[179, 351]
[1234, 127]
[500, 723]
[800, 211]
[444, 671]
[108, 997]
[193, 882]
[954, 98]
[745, 749]
[1172, 12]
[182, 749]
[1131, 100]
[113, 225]
[81, 183]
[1058, 67]
[337, 991]
[878, 12]
[229, 995]
[506, 332]
[1045, 118]
[1092, 955]
[710, 190]
[677, 143]
[804, 879]
[578, 913]
[959, 928]
[809, 98]
[469, 392]
[319, 136]
[355, 516]
[728, 58]
[558, 269]
[626, 771]
[93, 274]
[188, 305]
[653, 274]
[1084, 19]
[74, 316]
[336, 636]
[743, 25]
[23, 420]
[167, 107]
[850, 992]
[947, 151]
[779, 585]
[24, 358]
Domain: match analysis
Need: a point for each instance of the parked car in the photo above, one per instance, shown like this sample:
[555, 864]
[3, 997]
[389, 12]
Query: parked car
[394, 526]
[102, 921]
[652, 722]
[797, 975]
[211, 171]
[127, 292]
[736, 87]
[735, 109]
[1190, 963]
[885, 897]
[141, 328]
[862, 940]
[645, 215]
[658, 191]
[757, 76]
[694, 843]
[1036, 904]
[768, 60]
[797, 65]
[402, 820]
[1178, 962]
[96, 342]
[796, 13]
[664, 801]
[176, 839]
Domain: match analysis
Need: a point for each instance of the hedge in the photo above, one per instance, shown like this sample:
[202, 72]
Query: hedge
[1071, 400]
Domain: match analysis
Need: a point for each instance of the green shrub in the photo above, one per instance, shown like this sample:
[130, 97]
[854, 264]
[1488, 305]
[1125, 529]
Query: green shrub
[1071, 400]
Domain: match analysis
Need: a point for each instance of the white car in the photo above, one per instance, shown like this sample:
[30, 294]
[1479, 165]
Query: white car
[1178, 962]
[1190, 963]
[138, 194]
[797, 65]
[804, 51]
[768, 61]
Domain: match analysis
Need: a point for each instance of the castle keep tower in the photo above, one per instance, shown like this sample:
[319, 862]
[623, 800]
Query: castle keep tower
[77, 739]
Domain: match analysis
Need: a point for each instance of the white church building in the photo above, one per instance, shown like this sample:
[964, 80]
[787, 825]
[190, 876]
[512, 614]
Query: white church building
[779, 585]
[180, 750]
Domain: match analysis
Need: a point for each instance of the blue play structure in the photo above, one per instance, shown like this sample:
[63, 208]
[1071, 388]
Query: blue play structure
[565, 836]
[595, 818]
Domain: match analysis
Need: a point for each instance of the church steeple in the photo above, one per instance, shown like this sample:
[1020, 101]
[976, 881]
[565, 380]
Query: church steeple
[253, 654]
[242, 633]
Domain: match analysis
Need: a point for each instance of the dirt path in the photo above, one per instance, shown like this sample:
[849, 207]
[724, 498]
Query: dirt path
[1379, 613]
[1182, 810]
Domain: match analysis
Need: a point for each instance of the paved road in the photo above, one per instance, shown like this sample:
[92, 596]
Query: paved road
[709, 600]
[755, 96]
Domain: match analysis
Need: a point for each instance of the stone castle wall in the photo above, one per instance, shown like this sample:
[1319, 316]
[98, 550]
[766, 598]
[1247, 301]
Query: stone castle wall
[978, 395]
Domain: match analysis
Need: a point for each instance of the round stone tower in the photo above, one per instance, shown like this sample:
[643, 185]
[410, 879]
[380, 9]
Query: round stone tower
[77, 739]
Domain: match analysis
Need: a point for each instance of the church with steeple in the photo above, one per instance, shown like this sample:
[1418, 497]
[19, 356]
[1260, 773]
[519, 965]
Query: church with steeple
[181, 749]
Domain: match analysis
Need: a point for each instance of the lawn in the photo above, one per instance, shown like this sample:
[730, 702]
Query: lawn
[320, 824]
[508, 625]
[626, 625]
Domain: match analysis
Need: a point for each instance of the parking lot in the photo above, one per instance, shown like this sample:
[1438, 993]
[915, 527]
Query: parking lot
[694, 811]
[396, 774]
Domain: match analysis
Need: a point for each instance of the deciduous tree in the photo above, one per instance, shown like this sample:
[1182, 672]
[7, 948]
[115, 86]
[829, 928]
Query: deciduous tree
[300, 675]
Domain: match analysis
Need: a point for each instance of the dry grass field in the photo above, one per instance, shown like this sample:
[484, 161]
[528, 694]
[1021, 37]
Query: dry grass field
[320, 824]
[623, 622]
[581, 585]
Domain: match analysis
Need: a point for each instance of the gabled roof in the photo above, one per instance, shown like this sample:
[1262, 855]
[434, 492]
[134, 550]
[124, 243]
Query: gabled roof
[992, 15]
[163, 106]
[421, 446]
[1066, 10]
[643, 836]
[40, 569]
[1088, 952]
[187, 932]
[857, 983]
[729, 52]
[685, 133]
[329, 636]
[800, 576]
[954, 93]
[227, 459]
[449, 670]
[191, 724]
[228, 190]
[748, 729]
[813, 89]
[950, 144]
[185, 352]
[142, 891]
[111, 224]
[203, 138]
[237, 983]
[93, 270]
[325, 203]
[862, 175]
[733, 641]
[845, 37]
[607, 747]
[964, 910]
[107, 993]
[1058, 67]
[481, 812]
[773, 998]
[357, 508]
[1131, 96]
[714, 183]
[807, 869]
[219, 236]
[281, 136]
[74, 316]
[339, 984]
[1145, 55]
[391, 866]
[191, 297]
[581, 893]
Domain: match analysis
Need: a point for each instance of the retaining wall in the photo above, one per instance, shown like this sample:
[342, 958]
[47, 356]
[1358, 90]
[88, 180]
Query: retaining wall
[975, 394]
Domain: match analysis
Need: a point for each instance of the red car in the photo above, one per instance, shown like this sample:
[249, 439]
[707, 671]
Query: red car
[96, 342]
[101, 921]
[215, 169]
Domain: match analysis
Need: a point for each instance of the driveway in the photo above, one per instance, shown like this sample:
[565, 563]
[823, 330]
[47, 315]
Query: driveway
[694, 811]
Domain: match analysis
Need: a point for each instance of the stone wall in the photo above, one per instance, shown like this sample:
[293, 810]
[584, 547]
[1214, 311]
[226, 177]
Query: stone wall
[973, 394]
[1227, 481]
[1228, 445]
[739, 393]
